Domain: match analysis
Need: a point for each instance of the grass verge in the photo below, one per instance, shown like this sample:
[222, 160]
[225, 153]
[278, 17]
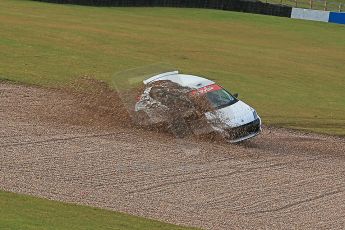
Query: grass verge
[331, 5]
[26, 212]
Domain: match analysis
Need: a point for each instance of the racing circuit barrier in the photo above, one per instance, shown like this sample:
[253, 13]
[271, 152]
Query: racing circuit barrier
[307, 14]
[337, 17]
[318, 15]
[249, 6]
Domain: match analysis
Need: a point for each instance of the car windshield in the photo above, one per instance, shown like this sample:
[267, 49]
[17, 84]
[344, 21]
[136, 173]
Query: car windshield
[220, 98]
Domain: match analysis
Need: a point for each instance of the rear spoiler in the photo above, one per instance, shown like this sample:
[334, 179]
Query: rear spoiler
[156, 77]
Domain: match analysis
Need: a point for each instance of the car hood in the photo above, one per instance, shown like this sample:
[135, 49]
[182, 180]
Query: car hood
[231, 116]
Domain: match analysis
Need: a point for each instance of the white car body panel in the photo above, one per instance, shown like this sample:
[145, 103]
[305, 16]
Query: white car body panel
[185, 80]
[234, 115]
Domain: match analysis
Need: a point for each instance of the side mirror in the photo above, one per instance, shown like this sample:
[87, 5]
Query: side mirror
[235, 95]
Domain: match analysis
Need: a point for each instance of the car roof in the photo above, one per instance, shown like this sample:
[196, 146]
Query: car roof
[181, 79]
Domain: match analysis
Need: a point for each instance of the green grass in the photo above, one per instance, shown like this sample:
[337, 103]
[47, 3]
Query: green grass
[26, 212]
[291, 71]
[332, 5]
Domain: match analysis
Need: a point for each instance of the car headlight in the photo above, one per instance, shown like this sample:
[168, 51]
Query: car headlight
[255, 115]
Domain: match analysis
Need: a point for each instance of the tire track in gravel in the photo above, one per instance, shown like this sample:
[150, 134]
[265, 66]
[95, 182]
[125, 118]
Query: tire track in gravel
[60, 145]
[311, 199]
[63, 139]
[233, 173]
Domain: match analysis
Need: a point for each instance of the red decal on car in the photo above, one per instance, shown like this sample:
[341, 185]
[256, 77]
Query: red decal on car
[206, 89]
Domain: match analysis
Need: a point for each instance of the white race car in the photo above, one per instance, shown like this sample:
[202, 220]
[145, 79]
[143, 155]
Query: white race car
[164, 103]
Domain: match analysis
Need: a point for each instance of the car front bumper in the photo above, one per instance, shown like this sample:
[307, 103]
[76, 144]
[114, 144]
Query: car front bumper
[243, 132]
